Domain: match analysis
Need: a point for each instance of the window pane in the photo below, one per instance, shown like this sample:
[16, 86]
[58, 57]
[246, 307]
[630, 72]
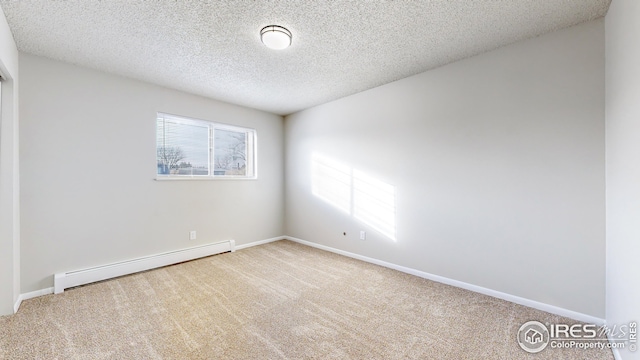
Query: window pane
[230, 153]
[182, 148]
[190, 147]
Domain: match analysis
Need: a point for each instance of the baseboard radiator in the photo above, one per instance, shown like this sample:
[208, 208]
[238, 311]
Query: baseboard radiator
[70, 279]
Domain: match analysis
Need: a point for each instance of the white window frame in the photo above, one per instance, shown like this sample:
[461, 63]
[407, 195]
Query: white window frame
[251, 152]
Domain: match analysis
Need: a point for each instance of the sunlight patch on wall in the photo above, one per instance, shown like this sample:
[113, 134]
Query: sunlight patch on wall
[331, 182]
[374, 203]
[366, 198]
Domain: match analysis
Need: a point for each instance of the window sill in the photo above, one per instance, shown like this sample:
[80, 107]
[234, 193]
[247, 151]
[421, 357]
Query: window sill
[203, 178]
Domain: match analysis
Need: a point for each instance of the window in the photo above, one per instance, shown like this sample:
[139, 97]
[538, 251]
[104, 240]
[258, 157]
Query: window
[189, 148]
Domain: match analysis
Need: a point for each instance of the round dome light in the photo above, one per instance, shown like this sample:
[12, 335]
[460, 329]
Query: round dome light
[275, 37]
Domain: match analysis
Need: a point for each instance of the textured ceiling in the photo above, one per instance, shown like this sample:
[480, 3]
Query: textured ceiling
[213, 48]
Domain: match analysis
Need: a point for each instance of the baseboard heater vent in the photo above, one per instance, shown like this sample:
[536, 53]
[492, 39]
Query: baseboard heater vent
[70, 279]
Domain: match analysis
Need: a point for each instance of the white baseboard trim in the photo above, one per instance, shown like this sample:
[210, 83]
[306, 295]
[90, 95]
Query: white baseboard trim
[497, 294]
[17, 304]
[260, 242]
[70, 279]
[51, 290]
[615, 351]
[30, 295]
[460, 284]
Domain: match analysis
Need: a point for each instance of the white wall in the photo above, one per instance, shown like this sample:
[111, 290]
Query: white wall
[623, 163]
[498, 164]
[9, 173]
[88, 168]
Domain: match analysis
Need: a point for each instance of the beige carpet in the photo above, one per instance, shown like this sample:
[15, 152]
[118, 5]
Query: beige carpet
[276, 301]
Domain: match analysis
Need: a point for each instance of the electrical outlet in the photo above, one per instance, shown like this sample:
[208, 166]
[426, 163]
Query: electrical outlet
[192, 235]
[363, 235]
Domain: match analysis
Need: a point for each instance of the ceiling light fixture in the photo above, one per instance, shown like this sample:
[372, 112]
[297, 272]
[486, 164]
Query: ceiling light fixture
[275, 37]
